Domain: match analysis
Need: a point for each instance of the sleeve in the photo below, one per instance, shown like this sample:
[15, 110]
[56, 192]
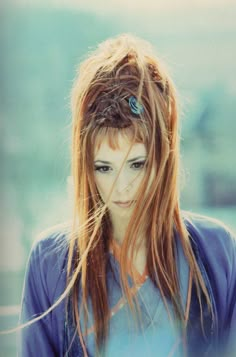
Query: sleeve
[230, 324]
[217, 248]
[36, 339]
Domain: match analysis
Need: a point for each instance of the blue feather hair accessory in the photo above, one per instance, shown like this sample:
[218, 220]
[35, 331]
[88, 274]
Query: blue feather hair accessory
[135, 106]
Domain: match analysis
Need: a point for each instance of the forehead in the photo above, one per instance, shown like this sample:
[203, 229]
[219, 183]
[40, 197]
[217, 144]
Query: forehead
[105, 151]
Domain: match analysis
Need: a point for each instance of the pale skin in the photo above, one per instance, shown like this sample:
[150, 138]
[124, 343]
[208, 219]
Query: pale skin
[126, 186]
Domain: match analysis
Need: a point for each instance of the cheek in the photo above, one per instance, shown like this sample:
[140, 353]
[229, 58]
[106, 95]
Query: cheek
[137, 180]
[103, 185]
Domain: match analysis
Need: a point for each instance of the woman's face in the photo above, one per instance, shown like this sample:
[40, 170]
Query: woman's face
[107, 163]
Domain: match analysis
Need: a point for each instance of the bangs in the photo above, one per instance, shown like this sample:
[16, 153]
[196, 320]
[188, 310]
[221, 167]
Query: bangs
[134, 133]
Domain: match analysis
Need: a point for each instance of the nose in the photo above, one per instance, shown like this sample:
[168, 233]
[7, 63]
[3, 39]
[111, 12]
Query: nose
[122, 184]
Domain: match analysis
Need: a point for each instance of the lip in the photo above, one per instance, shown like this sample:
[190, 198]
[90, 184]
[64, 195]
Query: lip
[125, 204]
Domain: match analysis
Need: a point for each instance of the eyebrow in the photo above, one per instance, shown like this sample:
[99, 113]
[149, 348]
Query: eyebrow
[131, 160]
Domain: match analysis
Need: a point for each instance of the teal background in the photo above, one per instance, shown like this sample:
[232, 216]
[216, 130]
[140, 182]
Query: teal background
[40, 50]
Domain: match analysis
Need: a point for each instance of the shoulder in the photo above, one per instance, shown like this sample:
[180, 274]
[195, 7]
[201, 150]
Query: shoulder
[47, 261]
[45, 281]
[50, 247]
[215, 246]
[209, 233]
[50, 243]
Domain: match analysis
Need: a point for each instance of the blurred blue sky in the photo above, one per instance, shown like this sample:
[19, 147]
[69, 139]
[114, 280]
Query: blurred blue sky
[43, 42]
[104, 6]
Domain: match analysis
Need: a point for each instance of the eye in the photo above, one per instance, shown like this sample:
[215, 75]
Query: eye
[102, 169]
[138, 165]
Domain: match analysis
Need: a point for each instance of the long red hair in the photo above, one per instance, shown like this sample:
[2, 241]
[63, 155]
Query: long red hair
[119, 68]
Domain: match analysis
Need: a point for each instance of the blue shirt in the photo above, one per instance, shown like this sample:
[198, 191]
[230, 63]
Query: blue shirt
[154, 334]
[45, 280]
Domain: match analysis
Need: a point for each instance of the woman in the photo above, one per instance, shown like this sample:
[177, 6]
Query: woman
[133, 274]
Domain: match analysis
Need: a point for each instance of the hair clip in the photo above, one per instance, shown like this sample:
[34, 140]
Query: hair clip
[135, 106]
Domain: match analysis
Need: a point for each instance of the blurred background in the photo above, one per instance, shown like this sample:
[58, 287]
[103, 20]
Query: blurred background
[42, 43]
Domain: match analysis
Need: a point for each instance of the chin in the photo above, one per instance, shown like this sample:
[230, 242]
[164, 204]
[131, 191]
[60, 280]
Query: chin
[121, 212]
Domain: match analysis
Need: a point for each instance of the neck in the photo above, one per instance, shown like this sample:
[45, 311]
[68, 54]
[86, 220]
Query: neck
[140, 255]
[119, 230]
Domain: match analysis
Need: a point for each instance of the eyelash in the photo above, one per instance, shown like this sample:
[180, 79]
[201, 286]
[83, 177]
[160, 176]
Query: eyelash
[140, 163]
